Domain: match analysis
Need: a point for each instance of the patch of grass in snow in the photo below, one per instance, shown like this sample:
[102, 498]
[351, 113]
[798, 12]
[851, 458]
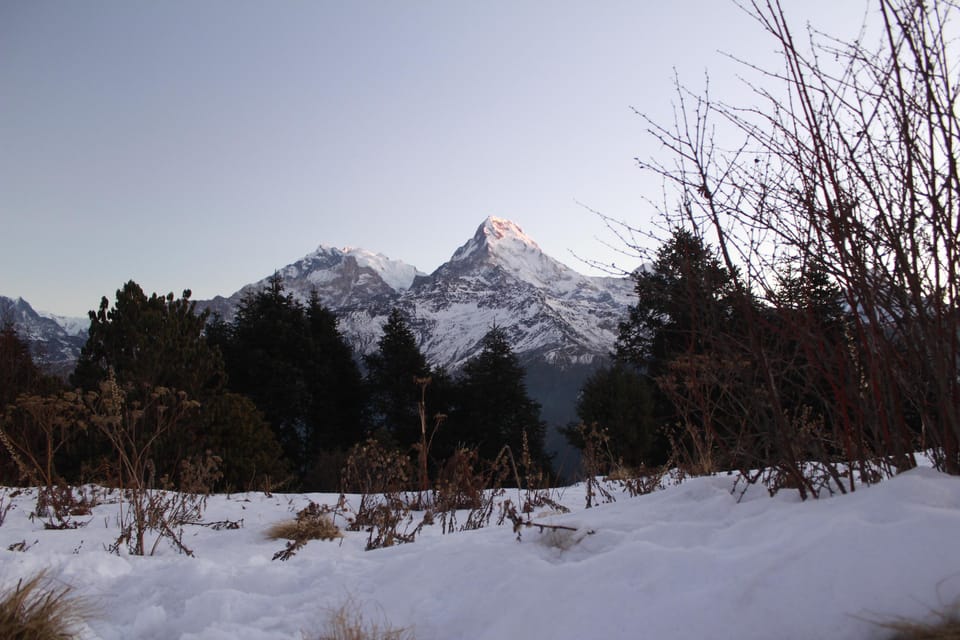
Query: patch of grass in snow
[313, 522]
[36, 610]
[347, 622]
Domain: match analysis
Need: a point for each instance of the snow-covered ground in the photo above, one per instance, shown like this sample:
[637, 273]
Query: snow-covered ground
[690, 561]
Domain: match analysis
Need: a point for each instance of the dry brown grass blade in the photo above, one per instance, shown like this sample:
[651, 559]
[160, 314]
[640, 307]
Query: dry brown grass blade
[35, 609]
[347, 622]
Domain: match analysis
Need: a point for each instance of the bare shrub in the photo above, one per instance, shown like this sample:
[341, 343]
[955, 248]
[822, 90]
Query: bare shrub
[460, 484]
[391, 522]
[692, 383]
[372, 468]
[559, 533]
[846, 166]
[604, 474]
[489, 486]
[35, 609]
[479, 512]
[644, 480]
[59, 504]
[426, 439]
[164, 513]
[381, 476]
[596, 461]
[537, 492]
[35, 428]
[151, 506]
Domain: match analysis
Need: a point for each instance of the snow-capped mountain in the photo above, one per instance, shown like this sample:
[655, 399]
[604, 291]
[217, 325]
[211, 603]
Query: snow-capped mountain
[55, 341]
[346, 278]
[500, 277]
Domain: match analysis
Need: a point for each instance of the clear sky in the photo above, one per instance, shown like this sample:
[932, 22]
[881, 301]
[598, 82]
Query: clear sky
[203, 144]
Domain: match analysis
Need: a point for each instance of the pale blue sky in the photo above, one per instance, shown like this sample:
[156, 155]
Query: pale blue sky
[202, 144]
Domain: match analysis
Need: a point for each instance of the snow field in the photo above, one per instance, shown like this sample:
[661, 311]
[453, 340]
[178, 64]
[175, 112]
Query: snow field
[690, 561]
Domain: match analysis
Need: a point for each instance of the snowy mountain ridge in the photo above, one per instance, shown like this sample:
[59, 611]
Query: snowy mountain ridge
[499, 277]
[55, 341]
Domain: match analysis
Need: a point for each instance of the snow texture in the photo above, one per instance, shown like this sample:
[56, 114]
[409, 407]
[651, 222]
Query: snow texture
[691, 561]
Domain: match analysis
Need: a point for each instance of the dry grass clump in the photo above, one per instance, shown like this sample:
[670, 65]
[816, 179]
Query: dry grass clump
[35, 610]
[313, 527]
[348, 623]
[313, 522]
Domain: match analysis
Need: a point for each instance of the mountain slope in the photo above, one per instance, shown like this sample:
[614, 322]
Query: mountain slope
[501, 277]
[55, 341]
[343, 279]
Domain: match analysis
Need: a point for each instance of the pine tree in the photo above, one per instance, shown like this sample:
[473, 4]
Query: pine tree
[619, 399]
[161, 342]
[299, 371]
[155, 341]
[681, 301]
[494, 409]
[18, 372]
[337, 398]
[686, 334]
[392, 373]
[265, 361]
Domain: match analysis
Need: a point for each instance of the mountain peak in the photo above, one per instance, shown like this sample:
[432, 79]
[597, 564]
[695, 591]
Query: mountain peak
[498, 230]
[396, 273]
[496, 237]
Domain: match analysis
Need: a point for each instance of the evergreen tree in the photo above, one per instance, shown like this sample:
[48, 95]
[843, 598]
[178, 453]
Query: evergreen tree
[334, 382]
[161, 342]
[620, 400]
[235, 430]
[494, 409]
[18, 372]
[150, 343]
[294, 364]
[687, 334]
[686, 304]
[807, 332]
[681, 302]
[266, 361]
[155, 341]
[392, 373]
